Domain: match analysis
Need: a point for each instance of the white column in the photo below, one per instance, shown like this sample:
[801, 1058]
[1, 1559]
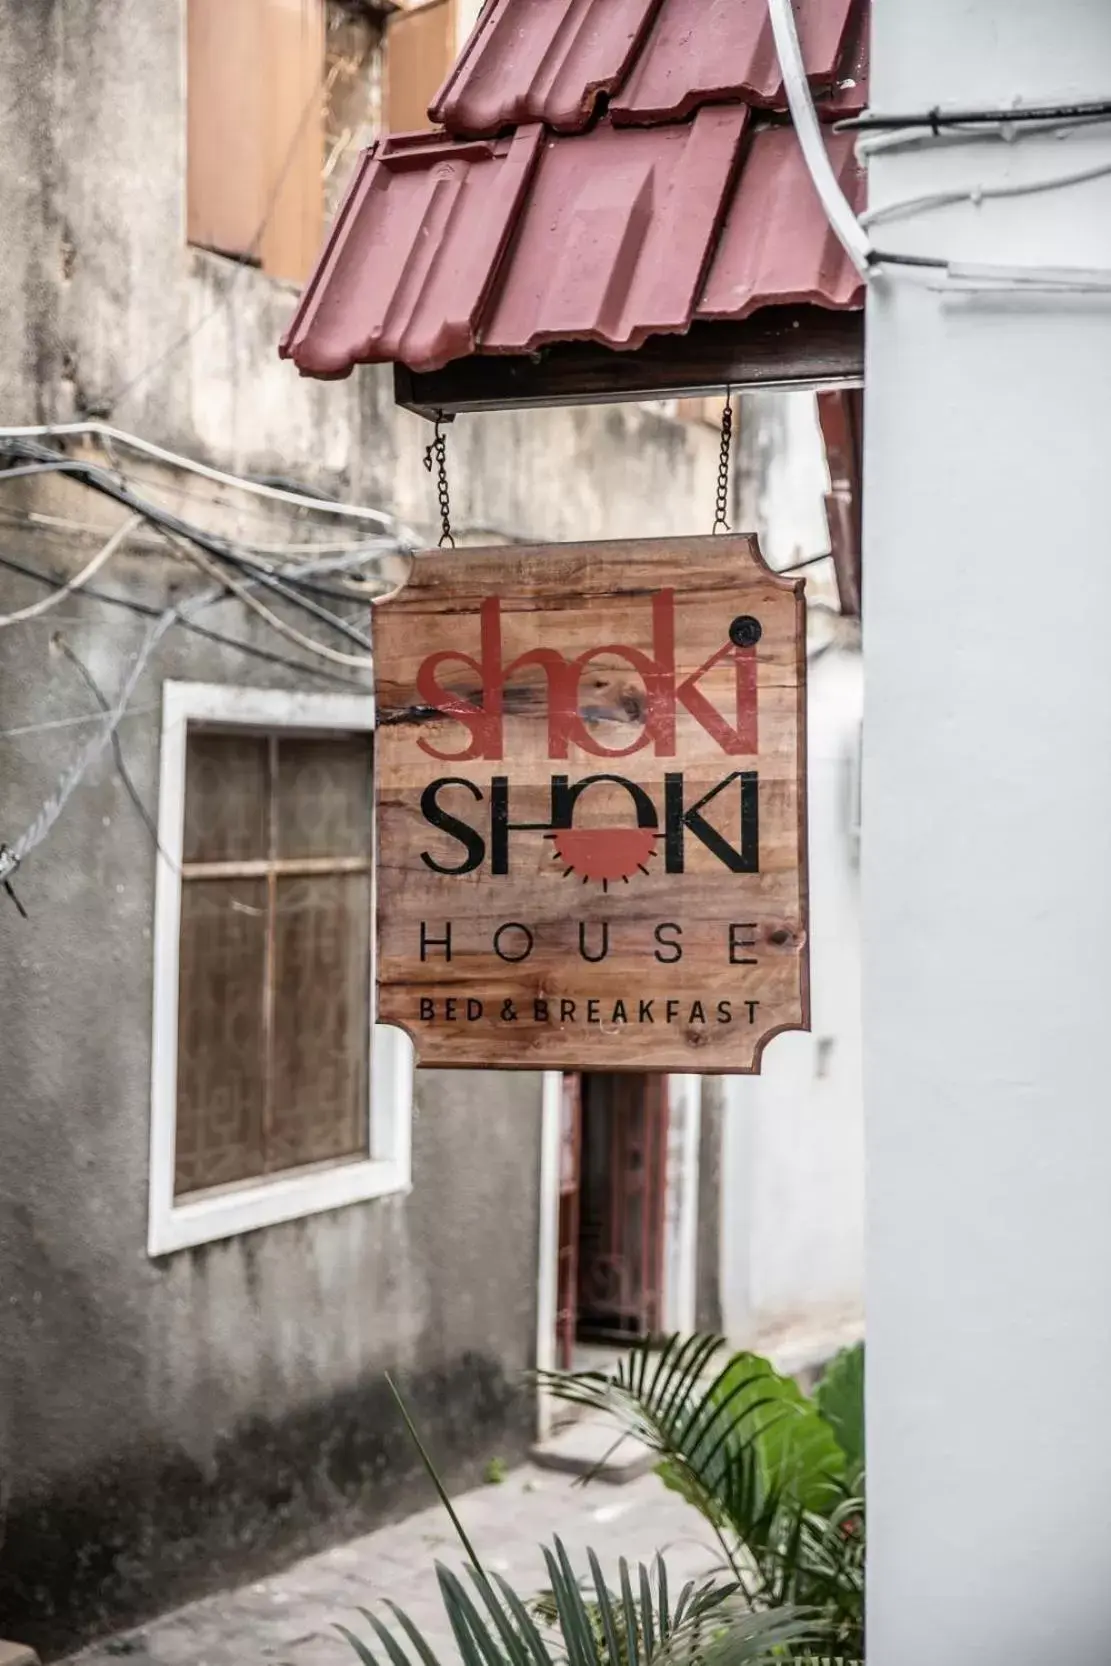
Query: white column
[987, 847]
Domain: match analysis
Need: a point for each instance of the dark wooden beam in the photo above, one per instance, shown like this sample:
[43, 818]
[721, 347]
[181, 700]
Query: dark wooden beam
[842, 419]
[779, 347]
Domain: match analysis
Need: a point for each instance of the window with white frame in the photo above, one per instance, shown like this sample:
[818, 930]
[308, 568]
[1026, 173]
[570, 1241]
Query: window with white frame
[274, 1095]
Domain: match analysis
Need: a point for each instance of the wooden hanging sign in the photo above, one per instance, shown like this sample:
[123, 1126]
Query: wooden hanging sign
[591, 813]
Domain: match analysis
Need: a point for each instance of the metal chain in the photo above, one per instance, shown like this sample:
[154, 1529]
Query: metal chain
[721, 507]
[435, 457]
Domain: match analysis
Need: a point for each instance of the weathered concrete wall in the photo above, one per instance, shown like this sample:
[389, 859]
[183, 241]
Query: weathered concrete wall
[166, 1424]
[107, 311]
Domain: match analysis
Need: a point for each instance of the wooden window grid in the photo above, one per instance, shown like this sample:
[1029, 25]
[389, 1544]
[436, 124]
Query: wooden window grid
[275, 955]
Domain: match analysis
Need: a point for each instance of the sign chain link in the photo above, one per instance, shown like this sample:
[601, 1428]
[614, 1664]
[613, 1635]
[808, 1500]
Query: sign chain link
[435, 457]
[721, 508]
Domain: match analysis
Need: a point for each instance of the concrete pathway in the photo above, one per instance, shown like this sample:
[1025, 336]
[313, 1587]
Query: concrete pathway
[289, 1619]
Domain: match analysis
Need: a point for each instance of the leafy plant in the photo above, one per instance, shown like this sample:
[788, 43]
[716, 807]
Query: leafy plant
[581, 1623]
[778, 1476]
[634, 1626]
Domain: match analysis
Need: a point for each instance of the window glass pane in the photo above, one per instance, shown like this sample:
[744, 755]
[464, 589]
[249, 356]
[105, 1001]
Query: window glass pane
[221, 1041]
[321, 1020]
[324, 796]
[225, 797]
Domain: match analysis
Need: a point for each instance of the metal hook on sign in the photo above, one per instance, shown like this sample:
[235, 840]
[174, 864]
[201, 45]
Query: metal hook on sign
[435, 457]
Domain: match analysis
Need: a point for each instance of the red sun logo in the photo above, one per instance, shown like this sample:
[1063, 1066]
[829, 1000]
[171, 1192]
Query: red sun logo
[606, 854]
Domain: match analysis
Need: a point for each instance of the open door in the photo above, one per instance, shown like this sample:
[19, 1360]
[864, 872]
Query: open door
[622, 1207]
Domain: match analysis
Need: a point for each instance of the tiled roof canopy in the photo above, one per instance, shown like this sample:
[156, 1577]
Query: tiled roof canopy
[609, 171]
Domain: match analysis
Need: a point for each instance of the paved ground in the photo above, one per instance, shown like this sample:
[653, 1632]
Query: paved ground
[289, 1619]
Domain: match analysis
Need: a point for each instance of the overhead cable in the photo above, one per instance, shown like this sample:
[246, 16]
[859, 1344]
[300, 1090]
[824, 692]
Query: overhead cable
[52, 809]
[980, 193]
[146, 610]
[838, 209]
[884, 142]
[81, 721]
[308, 501]
[44, 821]
[103, 555]
[935, 120]
[850, 230]
[101, 480]
[362, 661]
[103, 702]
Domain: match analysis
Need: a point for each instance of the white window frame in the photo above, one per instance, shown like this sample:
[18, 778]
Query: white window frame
[227, 1211]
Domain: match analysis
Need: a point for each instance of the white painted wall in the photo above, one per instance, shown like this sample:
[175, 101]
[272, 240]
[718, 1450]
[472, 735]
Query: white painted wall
[987, 911]
[793, 1171]
[792, 1162]
[782, 479]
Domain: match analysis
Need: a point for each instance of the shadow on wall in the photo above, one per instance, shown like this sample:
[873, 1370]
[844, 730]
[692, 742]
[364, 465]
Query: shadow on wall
[91, 1559]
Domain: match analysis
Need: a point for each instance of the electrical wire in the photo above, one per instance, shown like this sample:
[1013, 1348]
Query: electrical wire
[214, 556]
[115, 486]
[117, 749]
[850, 230]
[147, 611]
[12, 856]
[300, 592]
[839, 212]
[936, 120]
[103, 555]
[99, 480]
[309, 502]
[152, 477]
[366, 546]
[810, 561]
[82, 721]
[225, 579]
[878, 144]
[980, 193]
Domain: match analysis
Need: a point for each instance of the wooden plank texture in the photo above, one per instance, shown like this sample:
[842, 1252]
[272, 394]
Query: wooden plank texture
[591, 807]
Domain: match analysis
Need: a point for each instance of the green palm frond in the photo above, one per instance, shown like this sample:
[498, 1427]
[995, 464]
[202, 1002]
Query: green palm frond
[759, 1460]
[743, 1444]
[582, 1622]
[738, 1634]
[631, 1624]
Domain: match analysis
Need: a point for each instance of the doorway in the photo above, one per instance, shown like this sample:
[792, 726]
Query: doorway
[619, 1213]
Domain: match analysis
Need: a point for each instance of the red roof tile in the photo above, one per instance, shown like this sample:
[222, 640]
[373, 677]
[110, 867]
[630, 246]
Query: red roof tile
[718, 50]
[541, 60]
[776, 247]
[676, 203]
[615, 236]
[412, 254]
